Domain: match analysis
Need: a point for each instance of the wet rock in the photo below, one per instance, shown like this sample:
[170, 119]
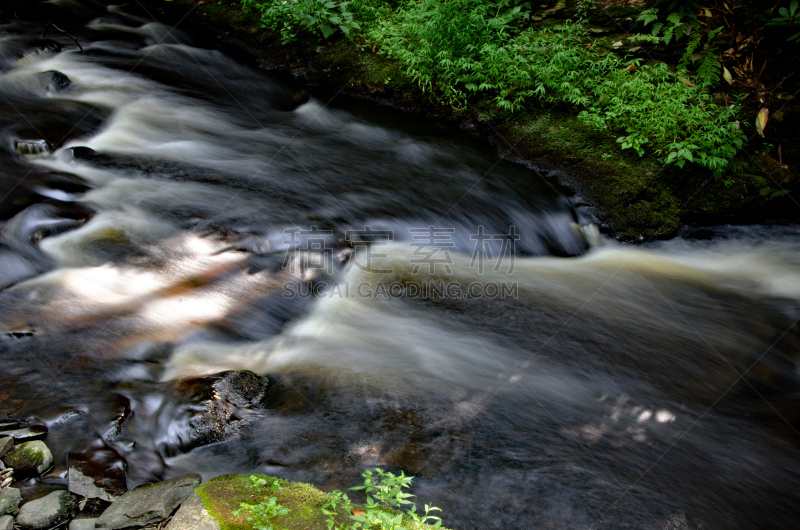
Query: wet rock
[85, 524]
[9, 501]
[6, 522]
[80, 484]
[193, 515]
[148, 504]
[54, 81]
[97, 472]
[82, 153]
[31, 147]
[6, 443]
[236, 401]
[25, 433]
[29, 458]
[48, 511]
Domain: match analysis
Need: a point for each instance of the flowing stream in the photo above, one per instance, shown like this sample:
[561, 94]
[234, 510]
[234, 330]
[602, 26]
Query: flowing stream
[418, 304]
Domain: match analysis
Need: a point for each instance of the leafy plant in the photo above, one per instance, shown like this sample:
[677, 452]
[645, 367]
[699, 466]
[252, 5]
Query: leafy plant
[787, 17]
[451, 45]
[680, 20]
[385, 499]
[321, 17]
[260, 514]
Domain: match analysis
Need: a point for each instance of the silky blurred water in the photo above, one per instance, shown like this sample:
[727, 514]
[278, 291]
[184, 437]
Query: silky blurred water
[418, 303]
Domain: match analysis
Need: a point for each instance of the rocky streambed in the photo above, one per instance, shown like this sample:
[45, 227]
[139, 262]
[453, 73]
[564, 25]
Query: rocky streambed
[92, 492]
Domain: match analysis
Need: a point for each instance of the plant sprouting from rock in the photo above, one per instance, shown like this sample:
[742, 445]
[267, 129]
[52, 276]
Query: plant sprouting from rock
[385, 508]
[262, 513]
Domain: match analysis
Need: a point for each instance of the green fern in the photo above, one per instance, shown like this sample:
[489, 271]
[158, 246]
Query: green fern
[709, 71]
[691, 46]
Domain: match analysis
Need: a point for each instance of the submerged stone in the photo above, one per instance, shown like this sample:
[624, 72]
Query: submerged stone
[97, 472]
[6, 522]
[236, 401]
[29, 458]
[149, 504]
[80, 484]
[47, 512]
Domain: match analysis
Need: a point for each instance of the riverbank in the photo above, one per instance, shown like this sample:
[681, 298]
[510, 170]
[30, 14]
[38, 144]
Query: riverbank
[633, 198]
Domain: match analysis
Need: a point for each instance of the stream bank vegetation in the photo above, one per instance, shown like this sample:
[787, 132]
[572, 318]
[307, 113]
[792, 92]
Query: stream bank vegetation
[259, 502]
[661, 111]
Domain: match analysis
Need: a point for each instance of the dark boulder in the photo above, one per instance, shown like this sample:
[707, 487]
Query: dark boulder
[236, 401]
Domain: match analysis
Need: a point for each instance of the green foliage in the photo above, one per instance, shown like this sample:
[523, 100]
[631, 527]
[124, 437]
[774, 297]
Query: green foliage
[462, 49]
[321, 17]
[260, 514]
[681, 19]
[385, 500]
[787, 17]
[453, 45]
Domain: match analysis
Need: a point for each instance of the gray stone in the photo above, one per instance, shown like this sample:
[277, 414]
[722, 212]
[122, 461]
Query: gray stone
[48, 511]
[192, 515]
[84, 524]
[25, 434]
[6, 443]
[9, 501]
[149, 504]
[6, 522]
[29, 458]
[84, 486]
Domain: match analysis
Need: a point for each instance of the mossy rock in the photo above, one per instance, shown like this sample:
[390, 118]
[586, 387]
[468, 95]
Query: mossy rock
[29, 458]
[223, 495]
[632, 199]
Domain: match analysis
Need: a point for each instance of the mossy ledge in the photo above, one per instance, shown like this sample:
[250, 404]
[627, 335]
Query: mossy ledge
[223, 495]
[633, 198]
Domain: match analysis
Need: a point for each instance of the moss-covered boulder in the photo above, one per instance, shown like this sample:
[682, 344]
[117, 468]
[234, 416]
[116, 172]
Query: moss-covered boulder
[223, 497]
[29, 458]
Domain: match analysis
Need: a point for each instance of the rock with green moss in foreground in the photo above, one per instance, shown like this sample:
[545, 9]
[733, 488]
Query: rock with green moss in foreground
[47, 512]
[29, 458]
[9, 501]
[222, 498]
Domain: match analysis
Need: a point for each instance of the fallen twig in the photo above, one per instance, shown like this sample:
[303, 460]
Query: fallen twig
[49, 24]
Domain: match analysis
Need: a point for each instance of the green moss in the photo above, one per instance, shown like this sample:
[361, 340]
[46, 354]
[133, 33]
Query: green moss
[634, 202]
[223, 495]
[24, 456]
